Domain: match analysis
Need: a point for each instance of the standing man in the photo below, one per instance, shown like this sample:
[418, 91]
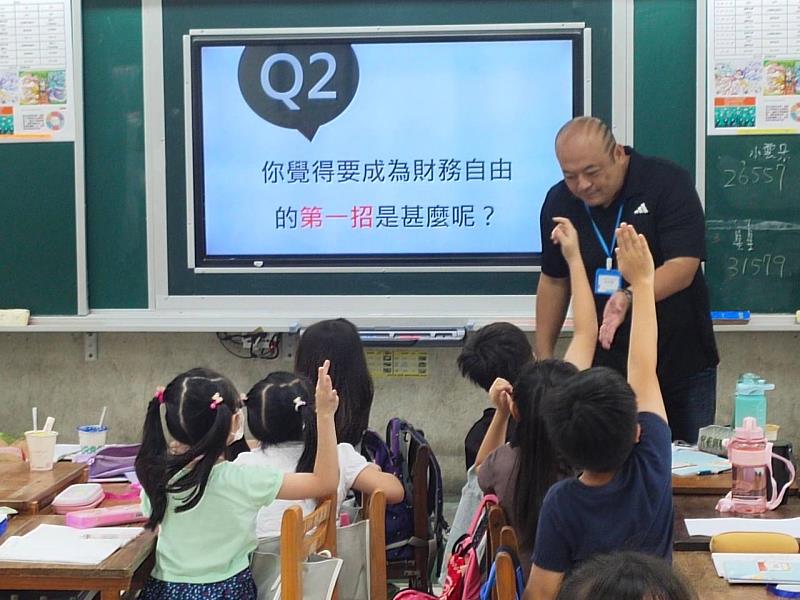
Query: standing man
[605, 184]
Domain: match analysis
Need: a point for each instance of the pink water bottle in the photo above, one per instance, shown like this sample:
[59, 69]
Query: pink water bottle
[751, 458]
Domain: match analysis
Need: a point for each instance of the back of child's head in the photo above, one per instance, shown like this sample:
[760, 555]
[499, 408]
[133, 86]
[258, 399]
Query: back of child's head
[275, 407]
[539, 465]
[495, 350]
[591, 419]
[337, 340]
[625, 576]
[199, 408]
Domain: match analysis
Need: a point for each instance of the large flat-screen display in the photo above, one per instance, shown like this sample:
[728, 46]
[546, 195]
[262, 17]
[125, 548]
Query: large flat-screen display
[417, 150]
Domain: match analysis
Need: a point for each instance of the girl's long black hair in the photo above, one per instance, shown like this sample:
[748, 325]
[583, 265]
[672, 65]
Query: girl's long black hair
[280, 408]
[191, 420]
[538, 465]
[338, 341]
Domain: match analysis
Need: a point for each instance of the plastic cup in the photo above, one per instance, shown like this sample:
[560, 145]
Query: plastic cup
[91, 438]
[41, 448]
[771, 432]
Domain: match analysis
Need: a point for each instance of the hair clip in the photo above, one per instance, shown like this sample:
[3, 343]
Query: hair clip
[243, 398]
[159, 395]
[298, 402]
[216, 400]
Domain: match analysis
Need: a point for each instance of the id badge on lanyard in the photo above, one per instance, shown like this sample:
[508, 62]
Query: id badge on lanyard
[608, 280]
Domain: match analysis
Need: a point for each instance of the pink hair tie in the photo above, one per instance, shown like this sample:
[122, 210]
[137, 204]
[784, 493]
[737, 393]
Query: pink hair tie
[159, 395]
[216, 400]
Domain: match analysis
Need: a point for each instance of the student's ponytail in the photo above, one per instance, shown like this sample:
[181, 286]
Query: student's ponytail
[538, 465]
[150, 462]
[199, 409]
[206, 451]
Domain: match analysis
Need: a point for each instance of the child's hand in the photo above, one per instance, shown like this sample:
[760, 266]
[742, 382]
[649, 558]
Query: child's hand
[565, 235]
[633, 256]
[500, 395]
[326, 398]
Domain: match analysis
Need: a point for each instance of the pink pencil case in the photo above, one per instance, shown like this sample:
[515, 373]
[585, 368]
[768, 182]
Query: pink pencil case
[112, 515]
[79, 496]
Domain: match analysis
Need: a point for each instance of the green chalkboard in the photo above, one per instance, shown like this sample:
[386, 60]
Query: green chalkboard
[38, 264]
[753, 223]
[179, 16]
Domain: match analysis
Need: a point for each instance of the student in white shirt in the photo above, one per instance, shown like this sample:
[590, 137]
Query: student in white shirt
[281, 416]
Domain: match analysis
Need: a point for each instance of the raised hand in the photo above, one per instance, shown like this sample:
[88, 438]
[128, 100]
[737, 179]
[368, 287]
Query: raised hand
[326, 398]
[565, 235]
[500, 395]
[633, 256]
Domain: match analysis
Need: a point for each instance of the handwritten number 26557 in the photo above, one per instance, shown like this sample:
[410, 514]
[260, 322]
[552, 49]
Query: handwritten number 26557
[753, 175]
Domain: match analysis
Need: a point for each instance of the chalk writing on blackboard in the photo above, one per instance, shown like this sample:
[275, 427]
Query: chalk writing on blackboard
[744, 237]
[748, 174]
[766, 265]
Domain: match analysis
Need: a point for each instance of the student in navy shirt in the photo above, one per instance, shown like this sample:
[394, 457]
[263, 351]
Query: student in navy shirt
[617, 434]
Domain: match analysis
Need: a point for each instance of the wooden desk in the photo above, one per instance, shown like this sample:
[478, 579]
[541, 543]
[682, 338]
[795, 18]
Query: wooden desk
[698, 569]
[711, 484]
[29, 491]
[702, 484]
[702, 507]
[128, 568]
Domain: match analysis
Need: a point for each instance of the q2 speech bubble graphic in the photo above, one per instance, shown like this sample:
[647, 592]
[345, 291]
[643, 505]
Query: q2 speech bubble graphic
[298, 86]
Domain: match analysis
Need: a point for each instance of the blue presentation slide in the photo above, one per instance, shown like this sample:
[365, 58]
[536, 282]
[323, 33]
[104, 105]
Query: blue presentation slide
[382, 148]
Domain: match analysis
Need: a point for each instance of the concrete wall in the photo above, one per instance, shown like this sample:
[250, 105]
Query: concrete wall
[49, 371]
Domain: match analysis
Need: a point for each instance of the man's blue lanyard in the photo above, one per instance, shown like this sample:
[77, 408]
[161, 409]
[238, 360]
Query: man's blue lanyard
[608, 250]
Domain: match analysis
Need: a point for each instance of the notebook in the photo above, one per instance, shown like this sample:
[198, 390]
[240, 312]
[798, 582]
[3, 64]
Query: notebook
[758, 568]
[687, 461]
[65, 545]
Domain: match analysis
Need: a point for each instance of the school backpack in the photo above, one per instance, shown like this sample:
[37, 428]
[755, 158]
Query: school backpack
[468, 563]
[397, 455]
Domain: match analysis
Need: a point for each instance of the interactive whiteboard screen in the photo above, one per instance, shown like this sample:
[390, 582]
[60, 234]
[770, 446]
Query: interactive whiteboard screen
[377, 151]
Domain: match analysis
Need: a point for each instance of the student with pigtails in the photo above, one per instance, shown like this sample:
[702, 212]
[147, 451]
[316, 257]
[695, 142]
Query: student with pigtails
[280, 415]
[205, 507]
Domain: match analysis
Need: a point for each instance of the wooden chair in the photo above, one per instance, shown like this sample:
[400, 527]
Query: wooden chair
[506, 579]
[374, 511]
[301, 537]
[418, 569]
[507, 549]
[508, 538]
[497, 522]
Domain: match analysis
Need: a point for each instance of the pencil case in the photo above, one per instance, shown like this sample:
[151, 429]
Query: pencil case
[79, 496]
[112, 515]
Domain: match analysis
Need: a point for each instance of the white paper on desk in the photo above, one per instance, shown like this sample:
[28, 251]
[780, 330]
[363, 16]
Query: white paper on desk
[717, 525]
[65, 545]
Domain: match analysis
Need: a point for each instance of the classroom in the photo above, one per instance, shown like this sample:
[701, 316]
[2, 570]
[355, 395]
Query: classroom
[100, 230]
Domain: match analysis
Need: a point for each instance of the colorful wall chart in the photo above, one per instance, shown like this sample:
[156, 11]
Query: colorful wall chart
[753, 66]
[36, 71]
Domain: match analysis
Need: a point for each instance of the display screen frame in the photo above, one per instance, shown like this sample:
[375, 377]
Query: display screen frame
[201, 260]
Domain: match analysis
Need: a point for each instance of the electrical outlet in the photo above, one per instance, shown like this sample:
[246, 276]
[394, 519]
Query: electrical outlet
[90, 347]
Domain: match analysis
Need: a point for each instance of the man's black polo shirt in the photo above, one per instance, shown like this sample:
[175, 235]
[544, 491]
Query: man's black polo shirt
[660, 201]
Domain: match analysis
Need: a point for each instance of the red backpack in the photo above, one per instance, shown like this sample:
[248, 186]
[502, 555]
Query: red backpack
[465, 572]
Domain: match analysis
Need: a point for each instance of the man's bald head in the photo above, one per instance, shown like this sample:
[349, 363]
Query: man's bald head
[591, 130]
[593, 163]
